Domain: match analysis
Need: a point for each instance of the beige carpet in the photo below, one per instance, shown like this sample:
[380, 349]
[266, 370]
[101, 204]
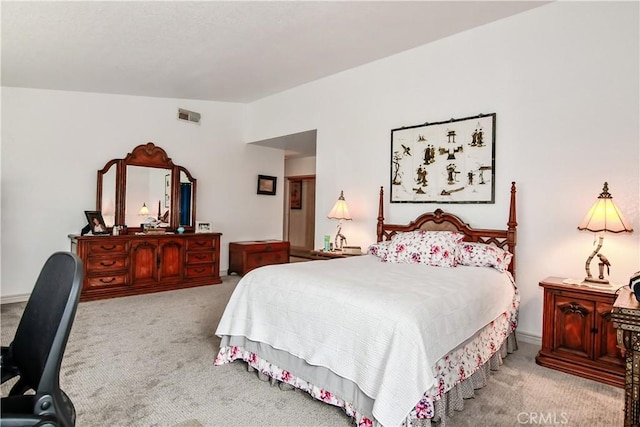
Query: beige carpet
[148, 361]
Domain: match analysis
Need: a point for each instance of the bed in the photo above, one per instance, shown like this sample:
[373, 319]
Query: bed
[398, 336]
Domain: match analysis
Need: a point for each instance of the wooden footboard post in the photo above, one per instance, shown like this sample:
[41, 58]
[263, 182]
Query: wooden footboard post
[511, 231]
[380, 214]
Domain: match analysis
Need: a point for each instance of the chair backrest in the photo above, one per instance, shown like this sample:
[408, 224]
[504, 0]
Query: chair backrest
[43, 331]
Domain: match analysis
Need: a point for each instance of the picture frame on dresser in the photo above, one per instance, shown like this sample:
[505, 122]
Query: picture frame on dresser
[96, 222]
[203, 227]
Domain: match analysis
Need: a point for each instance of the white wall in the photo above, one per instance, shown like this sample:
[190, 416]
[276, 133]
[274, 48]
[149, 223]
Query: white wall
[563, 80]
[54, 142]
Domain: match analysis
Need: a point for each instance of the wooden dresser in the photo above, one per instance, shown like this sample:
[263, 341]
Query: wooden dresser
[245, 256]
[578, 336]
[134, 264]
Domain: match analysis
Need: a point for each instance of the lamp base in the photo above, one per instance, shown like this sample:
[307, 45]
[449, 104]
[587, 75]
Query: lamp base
[597, 283]
[596, 280]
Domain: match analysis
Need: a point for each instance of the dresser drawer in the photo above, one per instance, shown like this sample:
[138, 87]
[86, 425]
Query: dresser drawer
[108, 247]
[258, 259]
[107, 281]
[200, 257]
[104, 264]
[201, 244]
[194, 271]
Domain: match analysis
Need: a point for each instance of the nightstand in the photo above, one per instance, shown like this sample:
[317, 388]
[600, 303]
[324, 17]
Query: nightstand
[245, 256]
[578, 336]
[320, 254]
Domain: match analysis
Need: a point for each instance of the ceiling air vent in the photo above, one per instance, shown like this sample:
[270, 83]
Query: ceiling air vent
[190, 116]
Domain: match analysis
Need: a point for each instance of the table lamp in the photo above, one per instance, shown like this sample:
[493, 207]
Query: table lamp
[603, 216]
[340, 211]
[144, 210]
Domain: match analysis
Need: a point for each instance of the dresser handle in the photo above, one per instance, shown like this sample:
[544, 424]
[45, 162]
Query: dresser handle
[107, 248]
[104, 264]
[268, 248]
[200, 242]
[200, 257]
[198, 270]
[108, 280]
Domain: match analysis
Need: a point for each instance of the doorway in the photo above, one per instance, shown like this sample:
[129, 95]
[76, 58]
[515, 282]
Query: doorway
[300, 211]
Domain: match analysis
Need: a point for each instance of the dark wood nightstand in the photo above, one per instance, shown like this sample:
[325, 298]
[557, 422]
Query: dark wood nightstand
[245, 256]
[320, 254]
[578, 336]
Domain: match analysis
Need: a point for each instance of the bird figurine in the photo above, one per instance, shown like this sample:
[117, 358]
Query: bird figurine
[603, 261]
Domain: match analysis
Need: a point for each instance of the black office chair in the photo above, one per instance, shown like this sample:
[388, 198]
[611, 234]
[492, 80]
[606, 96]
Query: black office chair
[35, 355]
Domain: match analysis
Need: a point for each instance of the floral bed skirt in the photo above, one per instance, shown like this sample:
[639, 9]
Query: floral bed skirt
[459, 373]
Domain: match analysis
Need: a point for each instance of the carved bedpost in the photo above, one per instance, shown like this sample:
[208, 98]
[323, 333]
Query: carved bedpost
[511, 231]
[380, 214]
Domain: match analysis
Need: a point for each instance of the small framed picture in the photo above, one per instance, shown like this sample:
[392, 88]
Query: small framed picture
[203, 227]
[267, 185]
[295, 194]
[96, 222]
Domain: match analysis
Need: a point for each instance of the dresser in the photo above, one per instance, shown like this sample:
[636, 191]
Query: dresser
[578, 336]
[134, 264]
[248, 255]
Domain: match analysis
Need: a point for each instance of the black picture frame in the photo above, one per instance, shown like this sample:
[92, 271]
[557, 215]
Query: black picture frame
[267, 185]
[451, 161]
[97, 216]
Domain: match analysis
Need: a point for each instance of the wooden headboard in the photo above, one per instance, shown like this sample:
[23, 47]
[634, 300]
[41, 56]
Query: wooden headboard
[443, 221]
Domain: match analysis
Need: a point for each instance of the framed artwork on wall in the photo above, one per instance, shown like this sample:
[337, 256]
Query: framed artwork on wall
[295, 194]
[444, 162]
[267, 185]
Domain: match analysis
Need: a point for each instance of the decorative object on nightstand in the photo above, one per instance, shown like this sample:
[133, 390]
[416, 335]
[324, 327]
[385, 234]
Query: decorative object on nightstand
[578, 335]
[340, 211]
[603, 216]
[626, 319]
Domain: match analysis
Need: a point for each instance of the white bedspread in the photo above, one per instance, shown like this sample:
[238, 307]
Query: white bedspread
[381, 325]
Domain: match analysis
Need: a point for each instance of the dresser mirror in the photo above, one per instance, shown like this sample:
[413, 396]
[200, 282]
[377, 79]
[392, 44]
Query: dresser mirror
[146, 187]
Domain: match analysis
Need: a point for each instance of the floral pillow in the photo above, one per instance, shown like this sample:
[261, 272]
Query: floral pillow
[435, 248]
[483, 255]
[379, 249]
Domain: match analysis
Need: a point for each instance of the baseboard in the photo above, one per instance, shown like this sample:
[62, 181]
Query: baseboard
[529, 338]
[14, 298]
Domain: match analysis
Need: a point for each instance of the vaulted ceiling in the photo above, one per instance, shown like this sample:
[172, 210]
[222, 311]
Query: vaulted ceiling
[236, 51]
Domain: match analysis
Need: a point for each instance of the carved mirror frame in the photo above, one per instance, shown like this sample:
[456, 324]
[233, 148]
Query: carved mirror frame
[147, 155]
